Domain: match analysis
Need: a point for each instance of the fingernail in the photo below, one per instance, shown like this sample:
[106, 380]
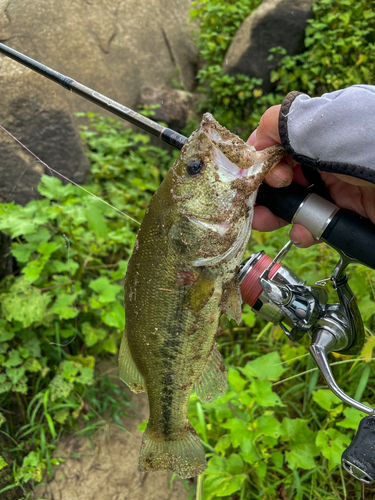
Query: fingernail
[295, 241]
[251, 140]
[281, 177]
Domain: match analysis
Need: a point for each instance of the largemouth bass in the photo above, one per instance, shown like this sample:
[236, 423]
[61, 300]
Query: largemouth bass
[181, 277]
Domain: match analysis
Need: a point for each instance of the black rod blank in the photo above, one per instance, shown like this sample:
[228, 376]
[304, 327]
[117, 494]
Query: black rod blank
[165, 134]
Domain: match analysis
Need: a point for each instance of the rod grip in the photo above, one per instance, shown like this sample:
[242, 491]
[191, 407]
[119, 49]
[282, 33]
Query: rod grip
[347, 231]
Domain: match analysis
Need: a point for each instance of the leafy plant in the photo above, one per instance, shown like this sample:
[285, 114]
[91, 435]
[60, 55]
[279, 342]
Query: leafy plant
[340, 43]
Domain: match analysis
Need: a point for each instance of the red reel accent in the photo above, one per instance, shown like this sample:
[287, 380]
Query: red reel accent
[250, 288]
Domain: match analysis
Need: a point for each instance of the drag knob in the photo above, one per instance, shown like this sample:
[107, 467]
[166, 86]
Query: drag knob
[359, 458]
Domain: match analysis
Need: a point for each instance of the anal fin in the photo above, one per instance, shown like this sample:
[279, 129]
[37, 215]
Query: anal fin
[128, 370]
[213, 382]
[231, 301]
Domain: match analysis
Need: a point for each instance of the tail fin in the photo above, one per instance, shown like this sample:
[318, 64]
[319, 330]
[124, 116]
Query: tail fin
[184, 455]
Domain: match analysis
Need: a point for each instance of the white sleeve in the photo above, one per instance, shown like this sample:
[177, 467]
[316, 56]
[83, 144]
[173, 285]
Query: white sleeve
[334, 132]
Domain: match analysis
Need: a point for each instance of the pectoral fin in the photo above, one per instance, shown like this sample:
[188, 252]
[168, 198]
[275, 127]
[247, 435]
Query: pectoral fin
[213, 382]
[128, 370]
[201, 291]
[231, 301]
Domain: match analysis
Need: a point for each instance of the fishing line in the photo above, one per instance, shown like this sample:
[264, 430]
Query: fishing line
[66, 178]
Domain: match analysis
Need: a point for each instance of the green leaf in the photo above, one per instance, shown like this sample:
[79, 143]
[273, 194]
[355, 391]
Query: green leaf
[107, 292]
[69, 370]
[24, 352]
[220, 482]
[143, 425]
[332, 443]
[217, 465]
[33, 346]
[86, 376]
[13, 359]
[92, 335]
[60, 388]
[70, 266]
[4, 336]
[352, 419]
[301, 443]
[266, 425]
[47, 249]
[267, 367]
[238, 430]
[62, 306]
[223, 444]
[21, 385]
[32, 365]
[249, 451]
[87, 361]
[52, 188]
[15, 374]
[96, 221]
[120, 272]
[24, 303]
[114, 316]
[33, 269]
[248, 316]
[5, 385]
[23, 251]
[109, 344]
[325, 398]
[61, 415]
[263, 394]
[3, 463]
[234, 464]
[236, 381]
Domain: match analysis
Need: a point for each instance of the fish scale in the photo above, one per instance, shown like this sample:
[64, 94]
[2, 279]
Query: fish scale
[181, 277]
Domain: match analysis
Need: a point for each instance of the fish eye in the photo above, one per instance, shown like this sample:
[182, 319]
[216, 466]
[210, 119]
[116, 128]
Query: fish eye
[194, 166]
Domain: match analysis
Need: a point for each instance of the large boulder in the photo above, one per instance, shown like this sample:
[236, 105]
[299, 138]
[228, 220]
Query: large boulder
[113, 46]
[275, 23]
[171, 106]
[44, 124]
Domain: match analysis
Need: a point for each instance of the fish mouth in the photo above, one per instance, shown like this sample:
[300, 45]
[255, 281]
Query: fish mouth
[235, 158]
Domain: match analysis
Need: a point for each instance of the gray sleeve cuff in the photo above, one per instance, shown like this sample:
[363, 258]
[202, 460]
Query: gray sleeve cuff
[333, 133]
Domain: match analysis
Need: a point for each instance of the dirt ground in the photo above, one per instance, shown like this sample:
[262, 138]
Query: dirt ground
[107, 469]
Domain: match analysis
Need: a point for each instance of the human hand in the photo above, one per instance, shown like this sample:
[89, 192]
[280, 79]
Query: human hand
[347, 192]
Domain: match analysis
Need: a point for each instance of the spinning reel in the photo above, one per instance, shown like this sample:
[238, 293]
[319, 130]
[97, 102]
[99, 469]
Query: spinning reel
[278, 295]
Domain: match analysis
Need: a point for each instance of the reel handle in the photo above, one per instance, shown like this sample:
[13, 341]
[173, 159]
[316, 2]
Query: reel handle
[340, 228]
[359, 458]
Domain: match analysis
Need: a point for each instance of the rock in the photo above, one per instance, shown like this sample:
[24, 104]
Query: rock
[113, 46]
[275, 23]
[174, 105]
[45, 126]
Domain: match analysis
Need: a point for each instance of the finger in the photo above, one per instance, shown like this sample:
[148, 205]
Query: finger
[354, 180]
[251, 140]
[264, 220]
[267, 133]
[280, 176]
[301, 237]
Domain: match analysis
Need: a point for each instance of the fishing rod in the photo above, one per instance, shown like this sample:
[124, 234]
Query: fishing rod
[342, 229]
[271, 289]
